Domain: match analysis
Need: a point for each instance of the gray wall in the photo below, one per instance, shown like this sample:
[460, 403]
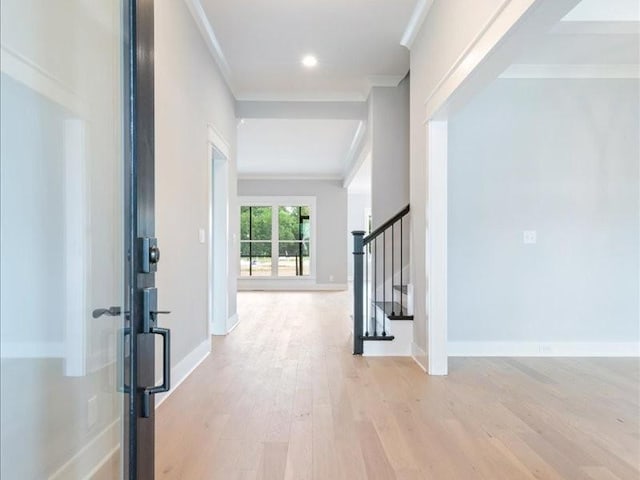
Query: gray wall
[190, 93]
[560, 157]
[389, 127]
[331, 223]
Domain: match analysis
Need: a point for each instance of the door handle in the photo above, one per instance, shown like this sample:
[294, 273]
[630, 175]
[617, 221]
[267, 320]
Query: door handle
[165, 333]
[109, 312]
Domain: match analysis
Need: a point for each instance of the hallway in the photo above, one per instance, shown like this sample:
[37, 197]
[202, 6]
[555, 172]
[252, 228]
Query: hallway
[282, 397]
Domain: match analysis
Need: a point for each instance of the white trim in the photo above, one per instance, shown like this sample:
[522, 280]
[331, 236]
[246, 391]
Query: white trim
[33, 349]
[287, 284]
[437, 248]
[522, 71]
[90, 458]
[181, 371]
[77, 247]
[234, 321]
[384, 80]
[275, 202]
[265, 176]
[217, 139]
[218, 239]
[209, 36]
[466, 53]
[419, 356]
[302, 110]
[504, 18]
[418, 17]
[544, 349]
[315, 96]
[352, 160]
[361, 151]
[25, 71]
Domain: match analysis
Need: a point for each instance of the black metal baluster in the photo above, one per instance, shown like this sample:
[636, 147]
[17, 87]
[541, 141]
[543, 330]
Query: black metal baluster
[366, 290]
[393, 269]
[384, 283]
[375, 286]
[401, 265]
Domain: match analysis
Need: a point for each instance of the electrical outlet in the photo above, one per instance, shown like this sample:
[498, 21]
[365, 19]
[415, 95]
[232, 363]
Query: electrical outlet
[92, 411]
[529, 237]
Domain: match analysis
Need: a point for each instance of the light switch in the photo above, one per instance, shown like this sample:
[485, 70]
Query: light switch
[529, 237]
[201, 235]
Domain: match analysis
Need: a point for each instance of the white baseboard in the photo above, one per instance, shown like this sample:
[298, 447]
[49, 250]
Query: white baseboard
[90, 458]
[544, 349]
[419, 356]
[288, 285]
[184, 367]
[233, 321]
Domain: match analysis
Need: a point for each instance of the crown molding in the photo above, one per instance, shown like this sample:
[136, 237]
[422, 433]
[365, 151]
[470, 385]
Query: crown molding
[568, 71]
[275, 176]
[353, 96]
[209, 36]
[418, 17]
[384, 80]
[302, 110]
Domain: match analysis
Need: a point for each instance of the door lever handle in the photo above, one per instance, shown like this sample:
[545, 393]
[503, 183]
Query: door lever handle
[109, 312]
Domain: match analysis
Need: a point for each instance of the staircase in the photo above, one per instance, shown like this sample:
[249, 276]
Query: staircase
[382, 319]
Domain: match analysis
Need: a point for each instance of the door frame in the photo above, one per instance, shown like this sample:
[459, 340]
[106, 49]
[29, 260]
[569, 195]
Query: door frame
[139, 156]
[218, 234]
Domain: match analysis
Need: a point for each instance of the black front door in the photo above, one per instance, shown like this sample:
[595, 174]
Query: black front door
[142, 247]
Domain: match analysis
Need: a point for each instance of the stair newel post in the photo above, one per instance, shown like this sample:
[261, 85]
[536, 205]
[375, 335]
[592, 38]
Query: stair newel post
[358, 283]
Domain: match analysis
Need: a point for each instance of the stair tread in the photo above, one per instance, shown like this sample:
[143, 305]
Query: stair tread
[380, 338]
[401, 288]
[394, 307]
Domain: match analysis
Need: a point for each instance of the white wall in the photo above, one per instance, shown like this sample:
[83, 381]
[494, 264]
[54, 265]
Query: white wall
[449, 28]
[389, 136]
[331, 223]
[559, 157]
[190, 94]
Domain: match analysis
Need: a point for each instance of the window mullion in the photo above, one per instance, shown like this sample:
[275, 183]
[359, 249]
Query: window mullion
[275, 246]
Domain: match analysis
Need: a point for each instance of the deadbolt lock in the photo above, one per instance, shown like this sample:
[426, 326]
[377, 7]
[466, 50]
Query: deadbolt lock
[149, 255]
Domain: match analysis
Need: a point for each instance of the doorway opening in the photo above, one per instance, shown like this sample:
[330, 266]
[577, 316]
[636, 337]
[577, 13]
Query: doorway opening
[218, 158]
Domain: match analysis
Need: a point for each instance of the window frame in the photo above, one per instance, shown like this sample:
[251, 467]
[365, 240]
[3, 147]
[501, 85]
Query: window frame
[275, 202]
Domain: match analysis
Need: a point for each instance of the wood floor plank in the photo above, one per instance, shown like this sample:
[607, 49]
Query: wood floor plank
[282, 397]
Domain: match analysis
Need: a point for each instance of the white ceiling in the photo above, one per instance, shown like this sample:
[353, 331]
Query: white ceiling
[605, 11]
[294, 148]
[597, 39]
[263, 42]
[583, 48]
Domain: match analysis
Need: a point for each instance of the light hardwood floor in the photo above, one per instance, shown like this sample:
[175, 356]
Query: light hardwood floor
[282, 397]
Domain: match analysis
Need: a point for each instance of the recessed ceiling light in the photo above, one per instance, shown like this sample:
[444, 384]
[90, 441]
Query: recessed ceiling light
[309, 61]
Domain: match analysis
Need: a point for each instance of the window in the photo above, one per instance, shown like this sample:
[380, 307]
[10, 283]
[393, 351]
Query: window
[275, 240]
[255, 241]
